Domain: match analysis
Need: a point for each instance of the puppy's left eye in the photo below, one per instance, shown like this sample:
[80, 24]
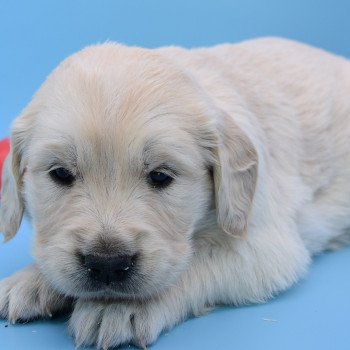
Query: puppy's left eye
[159, 180]
[62, 176]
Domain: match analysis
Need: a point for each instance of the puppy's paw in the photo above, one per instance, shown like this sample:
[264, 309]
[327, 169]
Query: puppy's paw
[26, 295]
[110, 324]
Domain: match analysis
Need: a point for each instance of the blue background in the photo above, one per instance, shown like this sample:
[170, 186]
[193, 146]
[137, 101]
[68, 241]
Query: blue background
[36, 35]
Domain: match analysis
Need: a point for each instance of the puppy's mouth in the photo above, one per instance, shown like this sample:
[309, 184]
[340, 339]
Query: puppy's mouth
[108, 276]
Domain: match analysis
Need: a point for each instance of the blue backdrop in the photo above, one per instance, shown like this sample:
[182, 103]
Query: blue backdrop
[35, 35]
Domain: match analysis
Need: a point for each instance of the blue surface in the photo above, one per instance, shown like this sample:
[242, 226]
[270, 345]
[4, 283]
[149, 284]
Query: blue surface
[35, 35]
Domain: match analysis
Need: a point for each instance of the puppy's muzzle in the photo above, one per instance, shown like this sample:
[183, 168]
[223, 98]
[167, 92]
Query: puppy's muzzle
[108, 268]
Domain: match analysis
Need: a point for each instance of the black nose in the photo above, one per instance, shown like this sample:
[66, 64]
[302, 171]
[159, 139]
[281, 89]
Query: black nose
[108, 269]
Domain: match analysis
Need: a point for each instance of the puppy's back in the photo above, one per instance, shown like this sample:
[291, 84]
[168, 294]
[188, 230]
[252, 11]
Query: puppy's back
[300, 92]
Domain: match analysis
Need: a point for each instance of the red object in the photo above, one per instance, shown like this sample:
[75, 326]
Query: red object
[4, 150]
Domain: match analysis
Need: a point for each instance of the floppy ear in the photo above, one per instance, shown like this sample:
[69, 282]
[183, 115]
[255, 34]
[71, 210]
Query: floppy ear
[235, 176]
[11, 205]
[11, 200]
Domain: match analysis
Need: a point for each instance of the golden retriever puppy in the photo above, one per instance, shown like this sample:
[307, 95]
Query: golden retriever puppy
[163, 182]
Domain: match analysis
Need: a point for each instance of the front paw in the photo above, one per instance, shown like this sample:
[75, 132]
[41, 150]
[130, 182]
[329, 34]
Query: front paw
[26, 295]
[110, 324]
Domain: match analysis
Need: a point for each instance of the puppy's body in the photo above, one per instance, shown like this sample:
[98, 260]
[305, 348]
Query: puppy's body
[253, 140]
[293, 102]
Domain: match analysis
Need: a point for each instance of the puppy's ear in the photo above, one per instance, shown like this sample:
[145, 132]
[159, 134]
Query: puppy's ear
[11, 200]
[235, 176]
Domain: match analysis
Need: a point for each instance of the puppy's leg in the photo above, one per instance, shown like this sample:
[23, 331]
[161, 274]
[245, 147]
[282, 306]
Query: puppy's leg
[26, 295]
[223, 271]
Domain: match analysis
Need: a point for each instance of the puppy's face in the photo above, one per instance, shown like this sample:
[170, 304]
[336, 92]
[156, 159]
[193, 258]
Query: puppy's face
[114, 206]
[113, 159]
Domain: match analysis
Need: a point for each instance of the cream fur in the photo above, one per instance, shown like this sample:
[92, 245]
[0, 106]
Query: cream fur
[258, 136]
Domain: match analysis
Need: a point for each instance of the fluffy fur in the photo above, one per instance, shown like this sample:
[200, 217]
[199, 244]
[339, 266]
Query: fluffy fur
[257, 137]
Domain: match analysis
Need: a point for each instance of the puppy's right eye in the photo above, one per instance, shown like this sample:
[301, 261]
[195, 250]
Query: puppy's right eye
[62, 176]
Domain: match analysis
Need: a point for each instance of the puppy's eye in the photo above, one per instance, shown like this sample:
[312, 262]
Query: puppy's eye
[159, 180]
[62, 176]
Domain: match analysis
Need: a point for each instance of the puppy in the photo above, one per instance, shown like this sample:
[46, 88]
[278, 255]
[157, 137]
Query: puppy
[163, 182]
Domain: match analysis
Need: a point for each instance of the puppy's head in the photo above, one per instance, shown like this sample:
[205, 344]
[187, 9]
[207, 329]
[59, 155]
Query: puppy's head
[117, 159]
